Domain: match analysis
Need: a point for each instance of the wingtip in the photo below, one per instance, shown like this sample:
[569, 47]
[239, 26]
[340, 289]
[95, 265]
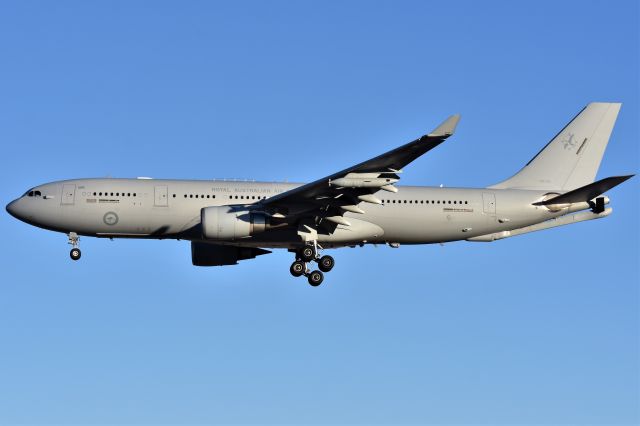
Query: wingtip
[447, 127]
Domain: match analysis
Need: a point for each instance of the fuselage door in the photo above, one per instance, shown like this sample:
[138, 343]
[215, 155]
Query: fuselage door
[489, 203]
[68, 194]
[161, 196]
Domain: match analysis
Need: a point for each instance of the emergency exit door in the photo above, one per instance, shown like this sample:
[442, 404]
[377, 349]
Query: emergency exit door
[68, 194]
[489, 203]
[161, 197]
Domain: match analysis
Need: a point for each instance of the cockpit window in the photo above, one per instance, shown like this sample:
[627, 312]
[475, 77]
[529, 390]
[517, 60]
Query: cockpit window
[34, 194]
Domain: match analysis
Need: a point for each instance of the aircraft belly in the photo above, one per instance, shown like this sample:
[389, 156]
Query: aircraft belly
[402, 225]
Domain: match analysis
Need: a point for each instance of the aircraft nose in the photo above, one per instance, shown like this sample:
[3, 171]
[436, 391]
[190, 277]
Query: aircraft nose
[16, 209]
[12, 208]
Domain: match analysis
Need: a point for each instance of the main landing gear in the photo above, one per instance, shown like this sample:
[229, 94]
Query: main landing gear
[308, 254]
[75, 252]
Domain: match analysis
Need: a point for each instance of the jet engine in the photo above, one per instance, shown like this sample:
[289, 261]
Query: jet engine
[231, 223]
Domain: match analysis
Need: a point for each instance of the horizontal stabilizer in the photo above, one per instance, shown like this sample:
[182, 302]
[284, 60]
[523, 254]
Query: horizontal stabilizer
[587, 192]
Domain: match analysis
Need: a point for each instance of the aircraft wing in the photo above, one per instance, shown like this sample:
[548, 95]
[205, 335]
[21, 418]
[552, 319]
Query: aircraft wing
[329, 197]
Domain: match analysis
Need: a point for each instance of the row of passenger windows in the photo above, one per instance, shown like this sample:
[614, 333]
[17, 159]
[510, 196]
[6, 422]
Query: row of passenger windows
[231, 197]
[133, 194]
[196, 196]
[115, 194]
[258, 197]
[426, 202]
[248, 197]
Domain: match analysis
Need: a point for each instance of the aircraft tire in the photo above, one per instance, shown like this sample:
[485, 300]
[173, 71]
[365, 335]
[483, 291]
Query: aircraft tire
[307, 253]
[315, 278]
[297, 268]
[326, 263]
[75, 254]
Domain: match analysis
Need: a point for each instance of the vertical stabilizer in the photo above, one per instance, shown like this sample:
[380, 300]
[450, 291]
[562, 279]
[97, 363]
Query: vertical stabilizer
[573, 156]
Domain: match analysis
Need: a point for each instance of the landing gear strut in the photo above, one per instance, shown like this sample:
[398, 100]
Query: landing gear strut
[75, 252]
[308, 254]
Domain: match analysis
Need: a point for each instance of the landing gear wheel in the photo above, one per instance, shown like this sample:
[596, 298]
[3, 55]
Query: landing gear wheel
[75, 253]
[316, 278]
[308, 254]
[326, 263]
[297, 268]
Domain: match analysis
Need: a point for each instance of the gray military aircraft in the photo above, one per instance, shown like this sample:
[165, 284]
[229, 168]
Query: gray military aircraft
[229, 221]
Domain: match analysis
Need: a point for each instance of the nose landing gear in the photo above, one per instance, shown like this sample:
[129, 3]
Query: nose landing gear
[75, 252]
[308, 254]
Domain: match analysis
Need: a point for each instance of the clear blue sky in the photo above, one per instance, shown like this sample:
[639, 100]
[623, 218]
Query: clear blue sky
[538, 329]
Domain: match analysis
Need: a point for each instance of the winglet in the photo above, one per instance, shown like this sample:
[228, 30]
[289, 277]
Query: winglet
[447, 127]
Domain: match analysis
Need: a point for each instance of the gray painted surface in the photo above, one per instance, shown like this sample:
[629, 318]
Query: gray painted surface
[289, 215]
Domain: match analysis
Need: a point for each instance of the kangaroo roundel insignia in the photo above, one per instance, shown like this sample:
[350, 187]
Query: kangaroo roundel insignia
[110, 218]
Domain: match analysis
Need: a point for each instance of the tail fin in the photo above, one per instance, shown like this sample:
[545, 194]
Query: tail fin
[573, 156]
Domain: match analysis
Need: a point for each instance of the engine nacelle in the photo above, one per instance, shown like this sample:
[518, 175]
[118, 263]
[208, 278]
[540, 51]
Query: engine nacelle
[231, 223]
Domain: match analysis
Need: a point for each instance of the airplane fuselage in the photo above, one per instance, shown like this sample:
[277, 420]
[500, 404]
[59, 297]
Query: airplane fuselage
[158, 208]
